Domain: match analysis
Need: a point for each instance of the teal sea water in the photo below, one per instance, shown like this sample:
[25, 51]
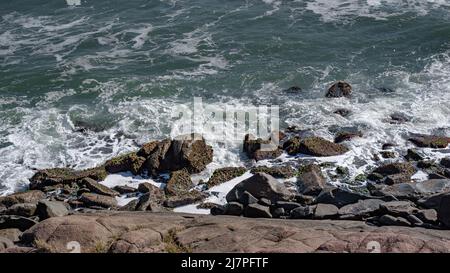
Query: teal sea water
[79, 84]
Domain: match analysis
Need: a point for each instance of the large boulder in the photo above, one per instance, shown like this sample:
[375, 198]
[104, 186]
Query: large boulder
[225, 174]
[315, 146]
[339, 89]
[311, 181]
[179, 182]
[129, 162]
[32, 196]
[64, 176]
[260, 185]
[429, 140]
[187, 151]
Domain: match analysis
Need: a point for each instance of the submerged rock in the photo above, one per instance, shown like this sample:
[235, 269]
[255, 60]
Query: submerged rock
[342, 112]
[339, 89]
[429, 141]
[347, 135]
[293, 89]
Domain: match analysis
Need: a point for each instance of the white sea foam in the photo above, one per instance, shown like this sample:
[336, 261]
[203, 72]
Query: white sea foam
[346, 10]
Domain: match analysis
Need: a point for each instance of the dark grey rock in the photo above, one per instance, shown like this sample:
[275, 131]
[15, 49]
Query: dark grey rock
[234, 208]
[415, 221]
[260, 185]
[96, 187]
[286, 205]
[360, 210]
[304, 212]
[389, 220]
[444, 210]
[23, 209]
[15, 221]
[427, 215]
[246, 199]
[265, 202]
[125, 189]
[398, 208]
[339, 197]
[257, 211]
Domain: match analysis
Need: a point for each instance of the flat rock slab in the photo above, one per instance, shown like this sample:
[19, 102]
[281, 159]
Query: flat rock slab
[172, 232]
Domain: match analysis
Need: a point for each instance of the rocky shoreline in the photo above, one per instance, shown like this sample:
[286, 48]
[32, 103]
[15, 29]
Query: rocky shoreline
[296, 191]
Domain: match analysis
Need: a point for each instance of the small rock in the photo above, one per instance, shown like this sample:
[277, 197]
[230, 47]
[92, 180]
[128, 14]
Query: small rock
[5, 243]
[93, 199]
[278, 212]
[304, 212]
[218, 210]
[234, 208]
[265, 202]
[47, 209]
[96, 187]
[246, 199]
[398, 118]
[414, 220]
[346, 135]
[388, 154]
[293, 89]
[389, 220]
[146, 187]
[325, 211]
[339, 89]
[125, 189]
[427, 215]
[387, 146]
[287, 206]
[342, 112]
[445, 162]
[414, 155]
[130, 206]
[257, 211]
[149, 202]
[260, 149]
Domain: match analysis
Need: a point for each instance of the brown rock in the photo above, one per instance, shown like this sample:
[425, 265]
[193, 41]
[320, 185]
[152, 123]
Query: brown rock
[92, 199]
[260, 149]
[64, 176]
[130, 162]
[225, 174]
[32, 196]
[96, 187]
[275, 171]
[180, 182]
[183, 199]
[315, 146]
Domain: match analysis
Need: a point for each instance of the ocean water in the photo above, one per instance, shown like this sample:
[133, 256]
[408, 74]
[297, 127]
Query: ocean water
[118, 68]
